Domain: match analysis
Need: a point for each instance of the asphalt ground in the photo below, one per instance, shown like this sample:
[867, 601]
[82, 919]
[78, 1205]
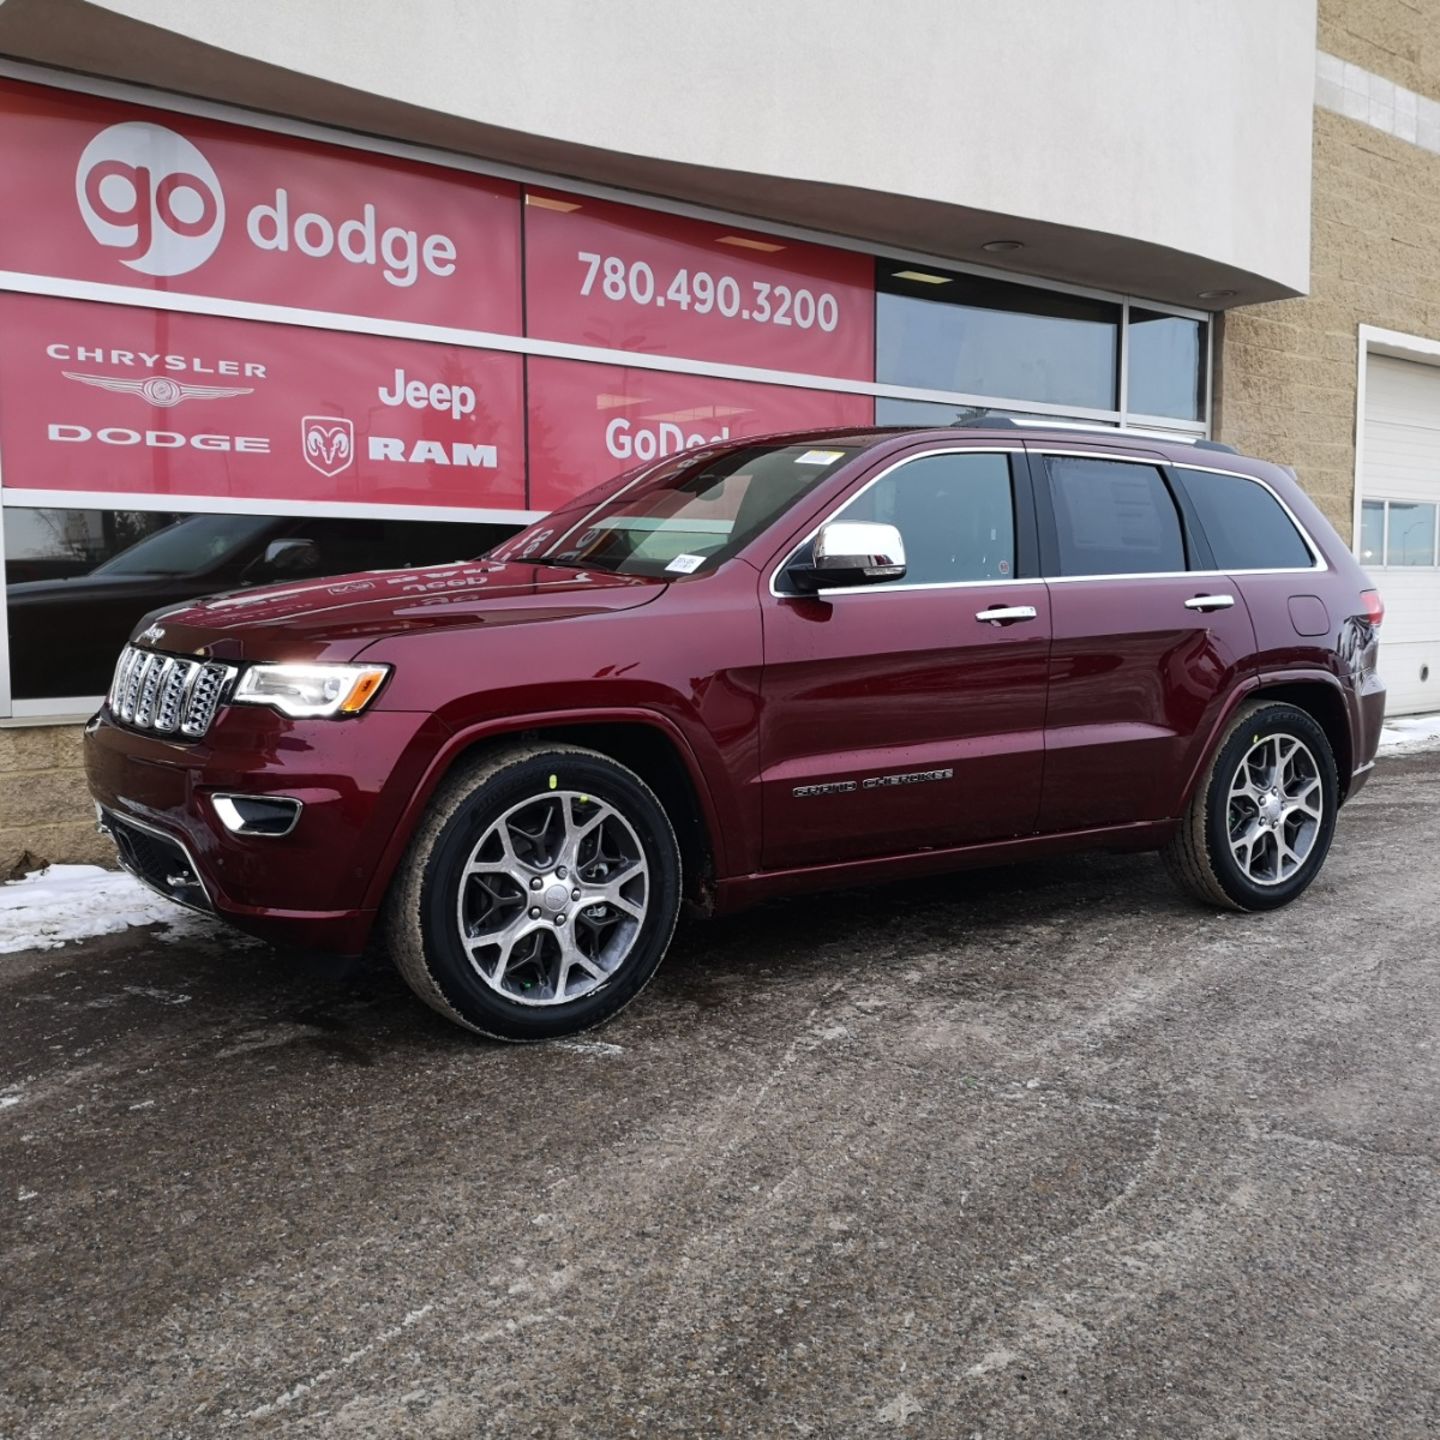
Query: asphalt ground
[1044, 1151]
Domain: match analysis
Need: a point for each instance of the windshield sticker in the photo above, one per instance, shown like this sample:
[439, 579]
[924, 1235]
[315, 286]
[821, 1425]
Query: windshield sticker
[820, 457]
[685, 564]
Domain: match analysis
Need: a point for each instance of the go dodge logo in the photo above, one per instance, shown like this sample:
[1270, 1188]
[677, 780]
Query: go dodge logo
[150, 194]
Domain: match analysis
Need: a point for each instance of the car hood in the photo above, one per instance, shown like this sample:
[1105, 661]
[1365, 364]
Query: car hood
[336, 618]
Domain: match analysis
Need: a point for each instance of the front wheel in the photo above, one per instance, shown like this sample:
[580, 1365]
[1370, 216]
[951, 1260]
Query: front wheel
[539, 894]
[1260, 825]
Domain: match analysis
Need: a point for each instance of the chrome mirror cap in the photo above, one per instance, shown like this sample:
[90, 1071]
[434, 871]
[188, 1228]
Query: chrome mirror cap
[851, 552]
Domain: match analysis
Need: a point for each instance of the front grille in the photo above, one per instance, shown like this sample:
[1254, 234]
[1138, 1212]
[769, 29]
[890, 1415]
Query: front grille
[157, 861]
[168, 694]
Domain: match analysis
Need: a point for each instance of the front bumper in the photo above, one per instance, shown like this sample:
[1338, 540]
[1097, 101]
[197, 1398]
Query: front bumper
[307, 888]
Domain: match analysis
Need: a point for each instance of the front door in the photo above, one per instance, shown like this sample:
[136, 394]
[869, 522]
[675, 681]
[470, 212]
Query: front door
[1148, 641]
[896, 717]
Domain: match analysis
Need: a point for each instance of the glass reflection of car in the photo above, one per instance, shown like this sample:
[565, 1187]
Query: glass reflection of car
[64, 632]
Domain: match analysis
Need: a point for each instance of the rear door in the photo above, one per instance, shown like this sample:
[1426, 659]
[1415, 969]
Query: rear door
[1148, 638]
[897, 717]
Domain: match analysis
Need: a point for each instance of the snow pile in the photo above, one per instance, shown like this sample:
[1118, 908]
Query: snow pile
[73, 902]
[1409, 734]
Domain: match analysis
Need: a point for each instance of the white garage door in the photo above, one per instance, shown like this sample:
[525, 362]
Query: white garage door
[1400, 511]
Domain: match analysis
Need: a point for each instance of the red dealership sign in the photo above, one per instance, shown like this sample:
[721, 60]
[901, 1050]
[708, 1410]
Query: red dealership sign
[624, 278]
[588, 422]
[100, 191]
[119, 400]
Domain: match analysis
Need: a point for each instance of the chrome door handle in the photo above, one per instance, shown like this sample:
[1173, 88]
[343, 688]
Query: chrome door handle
[1210, 602]
[1001, 613]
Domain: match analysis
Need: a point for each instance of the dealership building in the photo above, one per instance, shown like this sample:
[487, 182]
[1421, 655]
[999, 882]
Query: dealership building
[347, 284]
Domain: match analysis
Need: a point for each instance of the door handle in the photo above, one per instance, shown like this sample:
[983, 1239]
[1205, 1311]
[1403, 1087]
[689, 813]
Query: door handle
[1210, 602]
[1003, 613]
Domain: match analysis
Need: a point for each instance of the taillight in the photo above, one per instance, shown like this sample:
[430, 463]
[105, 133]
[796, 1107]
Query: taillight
[1374, 606]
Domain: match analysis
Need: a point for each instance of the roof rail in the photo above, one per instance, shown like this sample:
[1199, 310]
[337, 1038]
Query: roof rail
[1089, 427]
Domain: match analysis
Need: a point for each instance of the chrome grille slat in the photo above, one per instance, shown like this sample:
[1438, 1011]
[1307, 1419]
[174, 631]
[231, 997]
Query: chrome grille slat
[167, 701]
[155, 673]
[134, 687]
[122, 669]
[205, 698]
[167, 694]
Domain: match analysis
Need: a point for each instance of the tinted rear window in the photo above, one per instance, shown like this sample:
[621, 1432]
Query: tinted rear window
[1246, 526]
[1114, 517]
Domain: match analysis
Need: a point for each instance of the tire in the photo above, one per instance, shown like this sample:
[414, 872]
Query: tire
[533, 963]
[1281, 844]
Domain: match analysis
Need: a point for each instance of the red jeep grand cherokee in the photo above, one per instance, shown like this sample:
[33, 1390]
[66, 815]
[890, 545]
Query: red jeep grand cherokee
[755, 667]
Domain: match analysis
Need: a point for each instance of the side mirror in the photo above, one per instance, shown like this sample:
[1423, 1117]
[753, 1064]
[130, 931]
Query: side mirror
[851, 552]
[290, 557]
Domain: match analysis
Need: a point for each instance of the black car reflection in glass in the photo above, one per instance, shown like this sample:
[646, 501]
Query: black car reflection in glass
[95, 579]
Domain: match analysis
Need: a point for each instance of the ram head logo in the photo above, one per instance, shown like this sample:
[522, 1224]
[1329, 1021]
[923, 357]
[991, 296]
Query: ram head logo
[327, 442]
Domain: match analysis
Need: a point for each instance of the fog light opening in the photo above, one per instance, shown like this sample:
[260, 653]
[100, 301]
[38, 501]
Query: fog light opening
[271, 816]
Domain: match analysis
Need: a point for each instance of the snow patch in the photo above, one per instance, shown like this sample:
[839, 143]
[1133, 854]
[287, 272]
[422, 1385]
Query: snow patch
[589, 1047]
[1410, 734]
[51, 907]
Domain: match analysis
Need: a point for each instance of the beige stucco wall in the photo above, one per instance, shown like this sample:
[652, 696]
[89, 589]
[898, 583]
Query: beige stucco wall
[1288, 369]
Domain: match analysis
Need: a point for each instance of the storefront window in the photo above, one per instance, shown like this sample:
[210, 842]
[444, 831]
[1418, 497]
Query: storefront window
[1167, 366]
[290, 357]
[944, 331]
[944, 412]
[77, 581]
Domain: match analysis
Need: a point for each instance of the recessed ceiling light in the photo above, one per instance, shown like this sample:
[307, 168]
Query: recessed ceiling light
[545, 202]
[744, 242]
[996, 247]
[1216, 295]
[920, 276]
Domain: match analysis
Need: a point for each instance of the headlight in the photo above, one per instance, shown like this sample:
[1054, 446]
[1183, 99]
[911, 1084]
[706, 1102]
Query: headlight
[309, 691]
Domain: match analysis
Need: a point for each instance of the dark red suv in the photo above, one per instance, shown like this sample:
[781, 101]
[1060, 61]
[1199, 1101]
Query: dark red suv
[751, 668]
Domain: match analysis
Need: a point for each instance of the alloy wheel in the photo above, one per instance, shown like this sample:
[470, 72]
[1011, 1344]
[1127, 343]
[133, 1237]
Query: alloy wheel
[553, 898]
[1276, 806]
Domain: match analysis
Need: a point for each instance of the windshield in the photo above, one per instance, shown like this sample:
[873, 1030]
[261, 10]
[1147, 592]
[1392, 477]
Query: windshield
[680, 516]
[189, 547]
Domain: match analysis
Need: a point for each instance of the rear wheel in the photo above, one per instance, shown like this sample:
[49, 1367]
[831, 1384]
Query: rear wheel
[538, 896]
[1261, 822]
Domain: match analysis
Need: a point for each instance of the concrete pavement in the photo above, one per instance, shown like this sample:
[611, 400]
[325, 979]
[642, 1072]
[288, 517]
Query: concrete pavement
[1039, 1152]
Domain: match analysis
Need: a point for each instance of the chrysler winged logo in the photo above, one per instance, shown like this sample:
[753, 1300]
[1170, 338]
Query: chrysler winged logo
[152, 636]
[159, 389]
[327, 442]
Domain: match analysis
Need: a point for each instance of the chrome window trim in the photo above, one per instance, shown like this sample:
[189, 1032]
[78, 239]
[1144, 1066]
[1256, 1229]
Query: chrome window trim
[883, 588]
[1320, 565]
[1317, 555]
[850, 500]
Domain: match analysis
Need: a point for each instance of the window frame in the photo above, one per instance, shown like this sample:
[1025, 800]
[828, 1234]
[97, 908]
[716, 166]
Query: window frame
[1307, 541]
[1384, 562]
[1194, 546]
[1027, 540]
[1174, 474]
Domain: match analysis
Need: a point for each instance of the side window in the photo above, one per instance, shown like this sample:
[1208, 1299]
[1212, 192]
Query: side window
[1245, 524]
[955, 513]
[1114, 517]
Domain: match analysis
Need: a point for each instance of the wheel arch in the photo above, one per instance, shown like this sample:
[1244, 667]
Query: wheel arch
[641, 741]
[1324, 702]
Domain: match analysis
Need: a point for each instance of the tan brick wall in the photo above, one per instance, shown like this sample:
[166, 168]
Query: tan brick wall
[45, 811]
[1286, 372]
[1399, 39]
